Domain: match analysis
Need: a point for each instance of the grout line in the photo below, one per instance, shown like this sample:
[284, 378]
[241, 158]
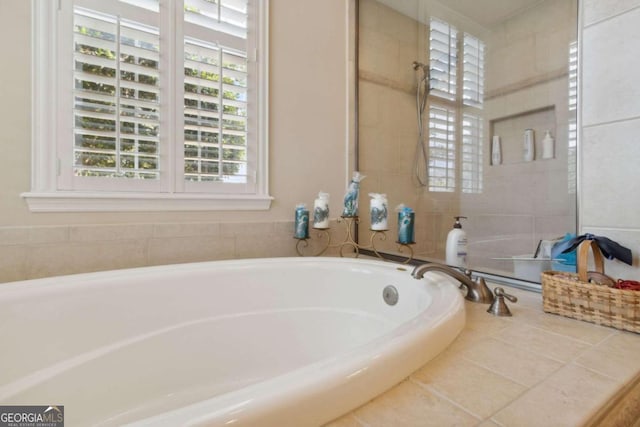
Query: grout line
[496, 422]
[433, 390]
[525, 391]
[611, 122]
[610, 17]
[495, 372]
[595, 371]
[558, 334]
[552, 373]
[546, 356]
[359, 421]
[608, 228]
[574, 360]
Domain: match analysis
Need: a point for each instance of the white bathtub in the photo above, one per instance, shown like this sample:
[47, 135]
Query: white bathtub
[268, 342]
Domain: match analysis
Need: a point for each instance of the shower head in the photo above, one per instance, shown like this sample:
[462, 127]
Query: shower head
[417, 65]
[426, 71]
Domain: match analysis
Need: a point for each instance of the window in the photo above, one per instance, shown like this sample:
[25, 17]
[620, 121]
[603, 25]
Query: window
[116, 97]
[442, 149]
[572, 140]
[160, 104]
[471, 154]
[454, 112]
[473, 71]
[443, 59]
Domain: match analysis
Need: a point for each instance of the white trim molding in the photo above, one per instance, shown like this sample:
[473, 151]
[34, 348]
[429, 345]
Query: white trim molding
[74, 201]
[49, 190]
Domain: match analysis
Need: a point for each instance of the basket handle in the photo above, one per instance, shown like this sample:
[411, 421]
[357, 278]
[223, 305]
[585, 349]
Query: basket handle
[583, 255]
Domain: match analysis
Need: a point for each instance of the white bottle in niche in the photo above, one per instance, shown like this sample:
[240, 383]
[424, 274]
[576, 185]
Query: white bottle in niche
[547, 146]
[529, 146]
[496, 151]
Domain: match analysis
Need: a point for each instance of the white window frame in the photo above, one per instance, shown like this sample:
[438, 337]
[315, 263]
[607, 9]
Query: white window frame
[46, 195]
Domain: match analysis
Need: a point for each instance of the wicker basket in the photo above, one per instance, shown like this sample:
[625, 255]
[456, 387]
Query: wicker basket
[571, 295]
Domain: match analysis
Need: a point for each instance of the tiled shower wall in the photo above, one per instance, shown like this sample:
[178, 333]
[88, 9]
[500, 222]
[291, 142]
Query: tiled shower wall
[527, 68]
[527, 86]
[389, 43]
[610, 145]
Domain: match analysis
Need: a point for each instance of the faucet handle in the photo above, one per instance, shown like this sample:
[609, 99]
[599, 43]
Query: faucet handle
[500, 292]
[498, 306]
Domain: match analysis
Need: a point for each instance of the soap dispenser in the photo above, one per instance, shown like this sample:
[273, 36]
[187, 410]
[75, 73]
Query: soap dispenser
[456, 249]
[548, 146]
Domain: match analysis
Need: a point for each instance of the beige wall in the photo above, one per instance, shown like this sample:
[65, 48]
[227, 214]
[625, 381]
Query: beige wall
[389, 43]
[35, 245]
[610, 113]
[308, 153]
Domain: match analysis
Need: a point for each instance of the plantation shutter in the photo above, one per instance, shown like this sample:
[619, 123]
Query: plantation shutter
[473, 71]
[442, 148]
[471, 158]
[216, 89]
[140, 104]
[116, 93]
[443, 59]
[572, 137]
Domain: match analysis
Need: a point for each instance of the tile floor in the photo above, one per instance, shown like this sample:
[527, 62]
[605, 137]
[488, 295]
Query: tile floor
[532, 369]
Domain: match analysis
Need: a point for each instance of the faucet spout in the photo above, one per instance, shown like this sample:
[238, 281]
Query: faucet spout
[477, 291]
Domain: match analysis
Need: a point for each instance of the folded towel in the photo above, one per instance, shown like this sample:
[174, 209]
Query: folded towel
[609, 248]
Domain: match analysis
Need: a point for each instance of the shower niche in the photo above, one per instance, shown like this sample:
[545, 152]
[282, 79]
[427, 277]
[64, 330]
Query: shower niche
[494, 68]
[511, 131]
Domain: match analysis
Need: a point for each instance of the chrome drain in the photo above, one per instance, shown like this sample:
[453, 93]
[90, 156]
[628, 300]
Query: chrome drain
[390, 295]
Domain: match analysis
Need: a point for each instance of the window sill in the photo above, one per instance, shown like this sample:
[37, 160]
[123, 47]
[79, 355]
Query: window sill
[133, 202]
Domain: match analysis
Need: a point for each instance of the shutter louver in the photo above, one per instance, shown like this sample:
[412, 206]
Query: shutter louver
[215, 114]
[473, 71]
[446, 117]
[442, 149]
[443, 59]
[225, 16]
[116, 97]
[215, 92]
[471, 154]
[572, 137]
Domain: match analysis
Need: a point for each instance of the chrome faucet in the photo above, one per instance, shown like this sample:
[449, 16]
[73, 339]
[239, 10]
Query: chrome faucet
[477, 291]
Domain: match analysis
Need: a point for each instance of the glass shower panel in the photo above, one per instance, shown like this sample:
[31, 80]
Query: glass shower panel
[493, 70]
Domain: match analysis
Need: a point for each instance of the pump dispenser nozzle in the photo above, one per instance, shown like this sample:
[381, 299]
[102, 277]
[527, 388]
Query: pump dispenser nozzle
[457, 223]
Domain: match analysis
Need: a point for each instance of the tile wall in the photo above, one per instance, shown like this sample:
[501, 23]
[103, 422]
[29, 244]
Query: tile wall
[527, 68]
[610, 150]
[527, 86]
[35, 252]
[389, 43]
